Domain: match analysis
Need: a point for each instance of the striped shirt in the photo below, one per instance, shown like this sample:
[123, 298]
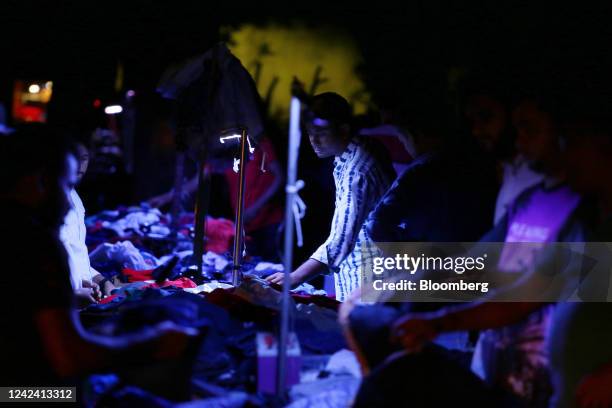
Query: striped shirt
[361, 178]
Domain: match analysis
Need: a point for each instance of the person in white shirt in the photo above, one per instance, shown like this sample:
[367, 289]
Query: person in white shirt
[88, 284]
[362, 175]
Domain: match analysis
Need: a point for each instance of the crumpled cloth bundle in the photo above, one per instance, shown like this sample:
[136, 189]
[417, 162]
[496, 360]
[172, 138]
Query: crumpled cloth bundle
[214, 262]
[133, 222]
[124, 254]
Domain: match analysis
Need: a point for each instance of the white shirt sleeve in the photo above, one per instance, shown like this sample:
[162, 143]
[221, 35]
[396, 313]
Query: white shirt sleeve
[351, 211]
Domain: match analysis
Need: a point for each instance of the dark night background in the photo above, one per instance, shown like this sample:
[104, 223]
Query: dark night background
[406, 47]
[409, 52]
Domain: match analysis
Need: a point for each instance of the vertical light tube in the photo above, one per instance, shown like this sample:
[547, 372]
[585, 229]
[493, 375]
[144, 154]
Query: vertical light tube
[291, 191]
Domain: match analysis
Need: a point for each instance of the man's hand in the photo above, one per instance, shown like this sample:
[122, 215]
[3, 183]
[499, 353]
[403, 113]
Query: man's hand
[96, 292]
[595, 390]
[413, 333]
[305, 272]
[107, 288]
[106, 285]
[84, 297]
[278, 278]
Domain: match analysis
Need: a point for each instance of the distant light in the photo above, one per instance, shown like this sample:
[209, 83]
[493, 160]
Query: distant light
[97, 103]
[49, 84]
[34, 89]
[230, 137]
[251, 148]
[130, 93]
[113, 109]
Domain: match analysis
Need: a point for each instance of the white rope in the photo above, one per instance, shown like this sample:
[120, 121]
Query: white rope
[299, 210]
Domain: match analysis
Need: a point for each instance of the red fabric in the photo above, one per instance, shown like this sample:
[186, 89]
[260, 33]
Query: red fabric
[182, 283]
[219, 232]
[137, 276]
[257, 183]
[219, 235]
[109, 299]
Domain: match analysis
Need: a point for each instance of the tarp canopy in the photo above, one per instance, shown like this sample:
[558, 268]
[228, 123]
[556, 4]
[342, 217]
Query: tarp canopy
[214, 94]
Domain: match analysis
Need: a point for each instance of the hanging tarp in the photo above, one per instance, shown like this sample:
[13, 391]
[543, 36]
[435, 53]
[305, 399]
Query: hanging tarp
[214, 93]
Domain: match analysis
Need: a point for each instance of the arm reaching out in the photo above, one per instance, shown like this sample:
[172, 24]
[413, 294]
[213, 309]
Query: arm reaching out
[73, 351]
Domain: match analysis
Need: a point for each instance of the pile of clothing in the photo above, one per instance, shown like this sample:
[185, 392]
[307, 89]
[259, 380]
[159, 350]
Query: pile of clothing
[147, 227]
[228, 319]
[157, 281]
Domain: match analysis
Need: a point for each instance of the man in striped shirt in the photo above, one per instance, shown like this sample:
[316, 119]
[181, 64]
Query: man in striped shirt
[362, 175]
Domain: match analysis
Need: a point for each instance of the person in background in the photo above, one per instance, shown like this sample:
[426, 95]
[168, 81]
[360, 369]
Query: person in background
[416, 208]
[88, 284]
[514, 358]
[581, 332]
[399, 142]
[43, 338]
[263, 210]
[362, 175]
[488, 112]
[447, 170]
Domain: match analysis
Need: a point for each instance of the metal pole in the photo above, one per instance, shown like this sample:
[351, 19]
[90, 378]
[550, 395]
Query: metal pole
[239, 236]
[291, 190]
[201, 209]
[179, 171]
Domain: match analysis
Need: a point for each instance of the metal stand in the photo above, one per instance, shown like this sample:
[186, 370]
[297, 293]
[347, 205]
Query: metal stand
[291, 190]
[239, 235]
[201, 210]
[177, 195]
